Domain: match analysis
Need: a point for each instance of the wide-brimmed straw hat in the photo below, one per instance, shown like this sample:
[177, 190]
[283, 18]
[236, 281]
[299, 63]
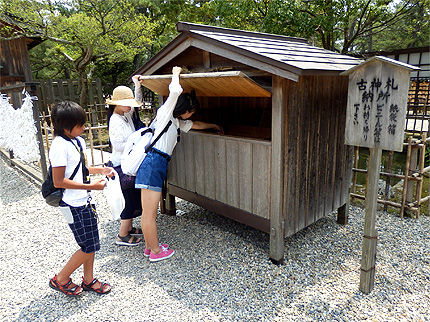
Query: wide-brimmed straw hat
[122, 95]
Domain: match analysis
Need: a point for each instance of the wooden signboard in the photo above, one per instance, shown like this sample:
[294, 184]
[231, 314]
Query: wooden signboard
[376, 111]
[377, 104]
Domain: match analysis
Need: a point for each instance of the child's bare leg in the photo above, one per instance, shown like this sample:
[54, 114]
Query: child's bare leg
[150, 200]
[88, 268]
[89, 272]
[77, 259]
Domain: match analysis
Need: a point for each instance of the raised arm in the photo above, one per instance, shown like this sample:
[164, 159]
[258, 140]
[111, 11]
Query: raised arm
[137, 88]
[165, 112]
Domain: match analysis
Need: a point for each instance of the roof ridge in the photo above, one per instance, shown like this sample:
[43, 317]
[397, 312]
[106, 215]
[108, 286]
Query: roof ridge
[187, 26]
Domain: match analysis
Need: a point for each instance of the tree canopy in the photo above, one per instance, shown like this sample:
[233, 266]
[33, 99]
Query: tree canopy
[81, 33]
[111, 38]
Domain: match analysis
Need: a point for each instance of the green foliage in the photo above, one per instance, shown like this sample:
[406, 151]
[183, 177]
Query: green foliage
[112, 38]
[48, 63]
[410, 32]
[83, 32]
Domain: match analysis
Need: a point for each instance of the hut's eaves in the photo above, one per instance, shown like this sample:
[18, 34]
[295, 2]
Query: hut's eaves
[285, 56]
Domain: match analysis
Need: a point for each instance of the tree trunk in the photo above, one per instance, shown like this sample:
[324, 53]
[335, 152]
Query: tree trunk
[81, 67]
[83, 86]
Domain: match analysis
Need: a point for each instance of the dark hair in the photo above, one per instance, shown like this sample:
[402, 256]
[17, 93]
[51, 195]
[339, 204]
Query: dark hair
[109, 113]
[66, 115]
[187, 102]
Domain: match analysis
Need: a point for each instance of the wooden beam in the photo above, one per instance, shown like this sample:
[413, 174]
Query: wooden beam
[169, 56]
[244, 60]
[342, 213]
[206, 59]
[239, 215]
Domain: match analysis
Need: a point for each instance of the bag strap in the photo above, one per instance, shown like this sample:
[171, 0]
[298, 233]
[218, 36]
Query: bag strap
[149, 147]
[75, 171]
[82, 158]
[85, 171]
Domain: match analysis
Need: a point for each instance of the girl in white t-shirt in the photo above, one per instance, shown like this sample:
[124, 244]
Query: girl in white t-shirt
[153, 170]
[120, 121]
[66, 153]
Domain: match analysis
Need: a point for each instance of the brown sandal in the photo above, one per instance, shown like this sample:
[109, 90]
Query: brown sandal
[99, 290]
[128, 240]
[65, 288]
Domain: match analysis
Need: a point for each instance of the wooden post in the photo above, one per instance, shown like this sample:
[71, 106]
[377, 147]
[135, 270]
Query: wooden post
[170, 204]
[90, 134]
[405, 182]
[206, 59]
[388, 180]
[378, 126]
[11, 156]
[413, 167]
[343, 212]
[355, 166]
[45, 128]
[368, 256]
[99, 138]
[36, 118]
[51, 125]
[277, 228]
[421, 168]
[163, 198]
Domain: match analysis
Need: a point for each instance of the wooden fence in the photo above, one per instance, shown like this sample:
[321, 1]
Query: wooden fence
[96, 136]
[52, 91]
[418, 113]
[96, 133]
[415, 170]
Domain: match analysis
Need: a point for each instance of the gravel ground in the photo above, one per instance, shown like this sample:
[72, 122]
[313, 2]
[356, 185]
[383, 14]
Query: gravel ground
[220, 271]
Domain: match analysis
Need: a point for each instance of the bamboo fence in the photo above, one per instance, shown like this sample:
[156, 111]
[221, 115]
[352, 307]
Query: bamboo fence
[93, 133]
[415, 171]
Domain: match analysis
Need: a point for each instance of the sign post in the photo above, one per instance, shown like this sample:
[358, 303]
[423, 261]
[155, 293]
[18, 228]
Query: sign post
[376, 112]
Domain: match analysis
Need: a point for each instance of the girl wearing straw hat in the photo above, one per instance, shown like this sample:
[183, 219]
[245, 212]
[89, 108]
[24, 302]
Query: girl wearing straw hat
[120, 124]
[153, 170]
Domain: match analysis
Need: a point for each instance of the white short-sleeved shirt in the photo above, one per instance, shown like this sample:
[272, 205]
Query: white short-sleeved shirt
[120, 128]
[64, 153]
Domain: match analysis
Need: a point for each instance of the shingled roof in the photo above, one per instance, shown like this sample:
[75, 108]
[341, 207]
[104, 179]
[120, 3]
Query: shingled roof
[288, 57]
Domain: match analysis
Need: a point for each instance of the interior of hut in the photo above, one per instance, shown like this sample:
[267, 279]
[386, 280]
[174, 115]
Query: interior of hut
[240, 116]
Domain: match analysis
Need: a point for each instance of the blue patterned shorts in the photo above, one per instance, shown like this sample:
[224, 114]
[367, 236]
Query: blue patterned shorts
[83, 223]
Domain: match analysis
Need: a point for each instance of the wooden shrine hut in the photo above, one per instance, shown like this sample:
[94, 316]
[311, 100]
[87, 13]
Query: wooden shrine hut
[281, 164]
[14, 58]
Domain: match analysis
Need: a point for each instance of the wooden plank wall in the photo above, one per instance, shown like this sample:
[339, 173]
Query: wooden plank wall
[15, 62]
[231, 170]
[318, 166]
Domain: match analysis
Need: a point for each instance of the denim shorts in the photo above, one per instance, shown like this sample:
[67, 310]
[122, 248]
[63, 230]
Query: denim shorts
[152, 171]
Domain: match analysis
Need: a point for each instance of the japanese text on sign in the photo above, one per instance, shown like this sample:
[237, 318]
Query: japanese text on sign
[376, 112]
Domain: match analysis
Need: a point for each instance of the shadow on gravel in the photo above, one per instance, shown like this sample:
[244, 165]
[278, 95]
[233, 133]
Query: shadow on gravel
[54, 307]
[222, 267]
